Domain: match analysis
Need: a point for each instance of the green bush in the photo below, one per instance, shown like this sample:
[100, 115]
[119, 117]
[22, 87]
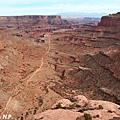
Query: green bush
[72, 106]
[58, 106]
[87, 116]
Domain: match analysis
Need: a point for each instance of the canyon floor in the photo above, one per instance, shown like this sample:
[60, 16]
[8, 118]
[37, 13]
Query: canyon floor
[39, 68]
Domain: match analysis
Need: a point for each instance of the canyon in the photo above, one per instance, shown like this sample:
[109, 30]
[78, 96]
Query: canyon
[45, 59]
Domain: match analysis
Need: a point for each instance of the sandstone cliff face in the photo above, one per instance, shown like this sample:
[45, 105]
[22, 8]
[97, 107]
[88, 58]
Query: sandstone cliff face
[111, 20]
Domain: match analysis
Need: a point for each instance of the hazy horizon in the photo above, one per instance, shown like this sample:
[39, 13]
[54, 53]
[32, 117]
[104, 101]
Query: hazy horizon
[53, 7]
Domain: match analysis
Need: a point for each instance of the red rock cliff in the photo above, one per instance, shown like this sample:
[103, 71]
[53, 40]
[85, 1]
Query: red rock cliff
[112, 20]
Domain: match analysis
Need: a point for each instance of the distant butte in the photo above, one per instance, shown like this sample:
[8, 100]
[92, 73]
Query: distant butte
[113, 20]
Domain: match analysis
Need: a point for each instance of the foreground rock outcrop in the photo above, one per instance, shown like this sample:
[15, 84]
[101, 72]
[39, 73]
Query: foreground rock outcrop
[77, 110]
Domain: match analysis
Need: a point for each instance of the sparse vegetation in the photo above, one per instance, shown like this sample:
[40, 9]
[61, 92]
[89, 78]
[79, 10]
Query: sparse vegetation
[87, 116]
[74, 105]
[100, 107]
[58, 106]
[85, 109]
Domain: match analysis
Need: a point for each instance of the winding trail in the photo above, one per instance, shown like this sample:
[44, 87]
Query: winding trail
[33, 74]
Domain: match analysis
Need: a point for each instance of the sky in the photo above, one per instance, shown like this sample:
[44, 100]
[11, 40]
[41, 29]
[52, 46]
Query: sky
[53, 7]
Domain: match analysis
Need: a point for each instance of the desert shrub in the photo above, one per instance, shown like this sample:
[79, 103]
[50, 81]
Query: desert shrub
[100, 107]
[87, 116]
[85, 109]
[58, 106]
[74, 105]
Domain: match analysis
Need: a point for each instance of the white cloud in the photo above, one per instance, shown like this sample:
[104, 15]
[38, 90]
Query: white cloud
[54, 9]
[86, 7]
